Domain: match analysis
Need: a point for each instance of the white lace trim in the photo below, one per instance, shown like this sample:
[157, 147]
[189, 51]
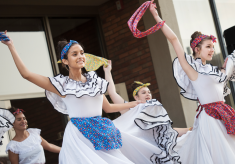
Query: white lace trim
[183, 81]
[28, 144]
[66, 86]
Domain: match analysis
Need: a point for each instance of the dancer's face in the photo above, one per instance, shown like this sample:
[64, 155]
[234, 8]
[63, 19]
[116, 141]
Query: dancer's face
[20, 122]
[206, 51]
[76, 57]
[144, 94]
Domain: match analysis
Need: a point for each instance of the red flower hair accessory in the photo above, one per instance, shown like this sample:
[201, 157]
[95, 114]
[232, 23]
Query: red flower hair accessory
[200, 38]
[18, 111]
[135, 18]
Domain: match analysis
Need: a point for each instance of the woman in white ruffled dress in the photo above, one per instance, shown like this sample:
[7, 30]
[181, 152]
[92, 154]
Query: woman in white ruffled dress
[146, 129]
[88, 137]
[27, 145]
[212, 140]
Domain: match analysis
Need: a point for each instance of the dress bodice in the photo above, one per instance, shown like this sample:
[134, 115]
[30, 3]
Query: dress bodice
[208, 90]
[30, 150]
[82, 99]
[210, 86]
[85, 106]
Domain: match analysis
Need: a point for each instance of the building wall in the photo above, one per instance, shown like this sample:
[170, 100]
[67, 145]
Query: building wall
[131, 58]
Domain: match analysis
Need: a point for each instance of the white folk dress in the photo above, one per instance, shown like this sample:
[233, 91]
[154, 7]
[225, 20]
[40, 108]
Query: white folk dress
[30, 150]
[83, 100]
[147, 135]
[209, 142]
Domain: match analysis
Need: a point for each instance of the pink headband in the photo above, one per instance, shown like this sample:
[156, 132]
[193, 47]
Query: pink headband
[135, 18]
[18, 111]
[200, 38]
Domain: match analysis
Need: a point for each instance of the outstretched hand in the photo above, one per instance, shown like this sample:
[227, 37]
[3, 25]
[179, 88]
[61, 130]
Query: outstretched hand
[137, 102]
[152, 8]
[8, 43]
[109, 67]
[140, 102]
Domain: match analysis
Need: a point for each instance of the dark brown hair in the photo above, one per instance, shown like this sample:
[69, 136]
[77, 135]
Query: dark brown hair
[60, 47]
[134, 86]
[194, 36]
[12, 109]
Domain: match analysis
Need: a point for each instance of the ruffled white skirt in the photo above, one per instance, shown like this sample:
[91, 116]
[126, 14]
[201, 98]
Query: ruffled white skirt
[147, 135]
[208, 143]
[78, 149]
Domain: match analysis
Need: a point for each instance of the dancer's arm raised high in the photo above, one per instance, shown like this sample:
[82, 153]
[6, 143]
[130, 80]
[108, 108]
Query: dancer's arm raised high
[115, 97]
[37, 79]
[170, 35]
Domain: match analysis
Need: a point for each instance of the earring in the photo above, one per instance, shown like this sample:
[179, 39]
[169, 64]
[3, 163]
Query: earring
[67, 67]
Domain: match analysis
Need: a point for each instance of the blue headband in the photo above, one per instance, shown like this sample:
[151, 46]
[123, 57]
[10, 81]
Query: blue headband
[66, 48]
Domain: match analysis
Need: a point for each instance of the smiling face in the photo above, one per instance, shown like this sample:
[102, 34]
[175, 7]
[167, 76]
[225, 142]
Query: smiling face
[20, 122]
[205, 51]
[76, 57]
[143, 94]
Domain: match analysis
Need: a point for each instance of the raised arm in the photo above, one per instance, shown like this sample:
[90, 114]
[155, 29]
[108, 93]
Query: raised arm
[172, 38]
[39, 80]
[111, 108]
[50, 147]
[115, 97]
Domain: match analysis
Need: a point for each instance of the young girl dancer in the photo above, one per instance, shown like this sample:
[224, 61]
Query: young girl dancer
[212, 140]
[88, 137]
[27, 145]
[146, 129]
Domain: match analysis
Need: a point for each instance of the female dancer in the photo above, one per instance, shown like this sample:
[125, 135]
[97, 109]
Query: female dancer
[88, 137]
[27, 145]
[146, 129]
[212, 140]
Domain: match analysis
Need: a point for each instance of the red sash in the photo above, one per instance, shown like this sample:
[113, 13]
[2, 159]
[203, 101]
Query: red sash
[220, 110]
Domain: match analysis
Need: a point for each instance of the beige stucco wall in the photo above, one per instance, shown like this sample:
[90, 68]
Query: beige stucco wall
[181, 110]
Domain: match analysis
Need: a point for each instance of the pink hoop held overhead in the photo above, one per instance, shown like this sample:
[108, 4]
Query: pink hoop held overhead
[135, 18]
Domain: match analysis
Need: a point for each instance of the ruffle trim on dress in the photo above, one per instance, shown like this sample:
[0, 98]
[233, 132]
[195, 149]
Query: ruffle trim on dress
[66, 86]
[183, 81]
[27, 145]
[91, 87]
[154, 117]
[6, 119]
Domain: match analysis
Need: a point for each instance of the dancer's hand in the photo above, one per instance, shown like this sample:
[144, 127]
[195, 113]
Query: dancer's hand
[137, 102]
[8, 43]
[109, 67]
[152, 8]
